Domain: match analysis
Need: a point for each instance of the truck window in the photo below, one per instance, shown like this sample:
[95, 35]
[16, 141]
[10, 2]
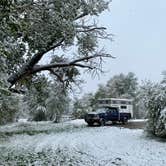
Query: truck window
[112, 110]
[114, 102]
[123, 107]
[123, 102]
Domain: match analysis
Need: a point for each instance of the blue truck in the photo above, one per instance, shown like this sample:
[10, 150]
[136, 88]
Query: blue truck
[106, 114]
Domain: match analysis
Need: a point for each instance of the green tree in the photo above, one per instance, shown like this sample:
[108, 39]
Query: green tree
[122, 85]
[35, 98]
[32, 29]
[83, 105]
[101, 92]
[46, 99]
[119, 86]
[57, 102]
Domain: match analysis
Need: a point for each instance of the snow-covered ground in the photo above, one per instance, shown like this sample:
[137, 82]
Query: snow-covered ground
[82, 146]
[138, 120]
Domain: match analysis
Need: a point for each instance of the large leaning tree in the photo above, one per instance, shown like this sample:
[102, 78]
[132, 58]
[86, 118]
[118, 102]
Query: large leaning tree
[68, 30]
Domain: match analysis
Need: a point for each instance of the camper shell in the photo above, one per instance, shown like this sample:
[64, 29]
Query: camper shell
[124, 105]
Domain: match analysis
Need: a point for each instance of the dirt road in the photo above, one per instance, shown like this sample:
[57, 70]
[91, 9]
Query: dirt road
[132, 125]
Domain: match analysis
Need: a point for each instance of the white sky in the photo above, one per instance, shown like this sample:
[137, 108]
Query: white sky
[140, 36]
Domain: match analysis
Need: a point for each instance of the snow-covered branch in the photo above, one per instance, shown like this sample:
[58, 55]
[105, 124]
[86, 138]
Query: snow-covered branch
[39, 68]
[28, 67]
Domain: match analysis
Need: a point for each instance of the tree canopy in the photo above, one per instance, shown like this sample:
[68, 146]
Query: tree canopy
[30, 29]
[119, 86]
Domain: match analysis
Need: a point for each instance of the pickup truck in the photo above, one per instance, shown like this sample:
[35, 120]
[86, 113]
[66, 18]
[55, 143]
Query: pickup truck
[105, 114]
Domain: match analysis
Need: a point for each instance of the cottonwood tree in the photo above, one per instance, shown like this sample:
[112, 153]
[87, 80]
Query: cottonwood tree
[31, 29]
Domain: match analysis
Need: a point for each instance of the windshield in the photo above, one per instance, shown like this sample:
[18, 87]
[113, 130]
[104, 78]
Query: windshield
[100, 110]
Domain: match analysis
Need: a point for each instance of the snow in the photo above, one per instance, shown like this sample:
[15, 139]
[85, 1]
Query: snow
[22, 120]
[77, 122]
[104, 146]
[138, 120]
[163, 112]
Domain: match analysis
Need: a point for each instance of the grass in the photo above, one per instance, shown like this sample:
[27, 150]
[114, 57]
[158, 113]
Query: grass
[21, 156]
[45, 157]
[32, 128]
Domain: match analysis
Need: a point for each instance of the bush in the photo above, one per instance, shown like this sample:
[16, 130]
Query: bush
[39, 114]
[9, 106]
[79, 113]
[154, 97]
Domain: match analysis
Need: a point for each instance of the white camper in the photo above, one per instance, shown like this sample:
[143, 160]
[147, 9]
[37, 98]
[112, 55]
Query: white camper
[124, 105]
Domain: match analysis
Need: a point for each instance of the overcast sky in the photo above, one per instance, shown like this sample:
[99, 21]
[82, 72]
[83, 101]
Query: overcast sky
[139, 43]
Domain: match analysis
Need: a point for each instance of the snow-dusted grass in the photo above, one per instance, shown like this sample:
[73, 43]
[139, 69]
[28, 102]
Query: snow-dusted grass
[82, 146]
[32, 128]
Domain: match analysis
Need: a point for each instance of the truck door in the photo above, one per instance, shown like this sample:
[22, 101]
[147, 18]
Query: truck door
[113, 114]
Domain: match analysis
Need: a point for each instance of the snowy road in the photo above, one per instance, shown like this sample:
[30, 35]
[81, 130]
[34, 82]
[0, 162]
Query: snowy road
[104, 146]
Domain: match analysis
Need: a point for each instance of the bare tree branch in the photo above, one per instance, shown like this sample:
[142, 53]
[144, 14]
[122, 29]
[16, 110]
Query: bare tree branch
[91, 29]
[86, 58]
[81, 15]
[56, 74]
[72, 63]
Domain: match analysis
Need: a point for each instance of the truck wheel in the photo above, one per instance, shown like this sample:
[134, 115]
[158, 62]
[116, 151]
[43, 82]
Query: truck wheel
[90, 124]
[114, 122]
[102, 122]
[125, 120]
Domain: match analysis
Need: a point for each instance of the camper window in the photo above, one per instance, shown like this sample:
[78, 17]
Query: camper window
[123, 107]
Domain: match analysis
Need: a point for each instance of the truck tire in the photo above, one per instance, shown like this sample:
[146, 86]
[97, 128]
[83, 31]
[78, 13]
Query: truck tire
[125, 120]
[90, 124]
[114, 122]
[102, 122]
